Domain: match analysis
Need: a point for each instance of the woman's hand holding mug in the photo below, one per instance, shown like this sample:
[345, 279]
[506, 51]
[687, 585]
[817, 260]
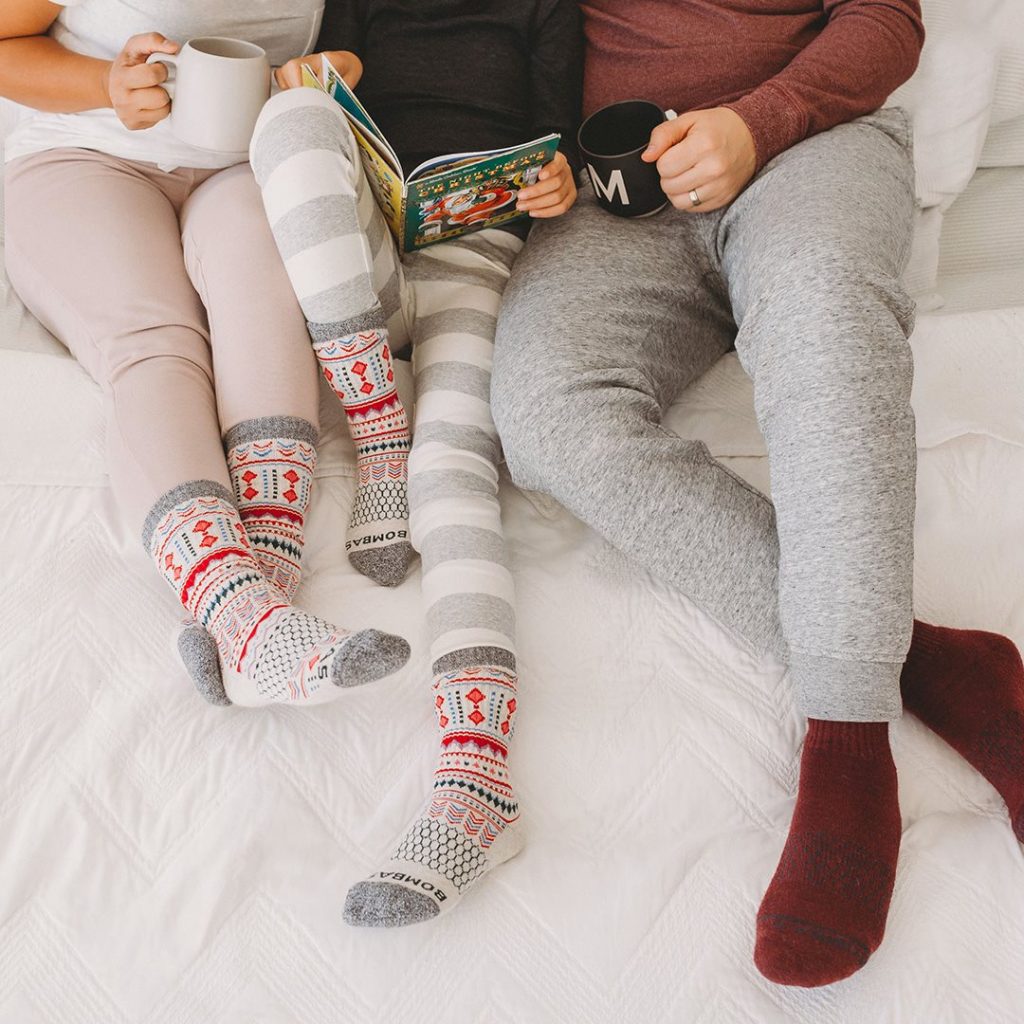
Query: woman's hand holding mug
[134, 87]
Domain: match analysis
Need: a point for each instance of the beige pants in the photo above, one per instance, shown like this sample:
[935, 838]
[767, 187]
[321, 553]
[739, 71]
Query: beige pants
[168, 288]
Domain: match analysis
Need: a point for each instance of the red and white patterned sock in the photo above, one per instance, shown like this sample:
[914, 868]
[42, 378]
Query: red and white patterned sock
[270, 462]
[270, 651]
[468, 826]
[359, 370]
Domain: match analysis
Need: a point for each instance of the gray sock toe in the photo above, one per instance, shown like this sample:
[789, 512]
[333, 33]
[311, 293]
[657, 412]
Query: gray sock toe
[198, 652]
[368, 655]
[386, 905]
[387, 566]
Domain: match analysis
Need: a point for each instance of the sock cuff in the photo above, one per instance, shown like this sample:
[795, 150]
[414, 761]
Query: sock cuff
[473, 657]
[176, 495]
[372, 319]
[267, 428]
[928, 639]
[862, 739]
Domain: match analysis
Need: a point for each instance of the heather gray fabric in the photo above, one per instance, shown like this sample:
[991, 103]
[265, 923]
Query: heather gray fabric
[605, 321]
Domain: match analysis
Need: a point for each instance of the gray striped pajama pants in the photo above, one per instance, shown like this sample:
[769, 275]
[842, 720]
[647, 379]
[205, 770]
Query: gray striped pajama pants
[346, 272]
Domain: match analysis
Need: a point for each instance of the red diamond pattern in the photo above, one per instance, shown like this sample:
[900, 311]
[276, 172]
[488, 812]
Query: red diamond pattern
[359, 368]
[476, 718]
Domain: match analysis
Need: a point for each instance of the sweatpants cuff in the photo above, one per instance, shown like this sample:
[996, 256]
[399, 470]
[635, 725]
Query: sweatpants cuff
[846, 691]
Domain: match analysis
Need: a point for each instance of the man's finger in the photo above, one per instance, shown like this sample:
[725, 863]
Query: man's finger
[666, 135]
[695, 177]
[138, 48]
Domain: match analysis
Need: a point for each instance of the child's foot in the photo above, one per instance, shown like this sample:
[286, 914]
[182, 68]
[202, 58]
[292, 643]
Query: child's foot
[968, 686]
[824, 913]
[358, 368]
[269, 651]
[468, 826]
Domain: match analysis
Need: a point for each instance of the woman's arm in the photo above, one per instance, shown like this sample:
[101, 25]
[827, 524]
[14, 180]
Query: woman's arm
[40, 73]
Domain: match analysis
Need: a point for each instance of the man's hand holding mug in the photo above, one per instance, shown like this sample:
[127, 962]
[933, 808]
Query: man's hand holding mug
[705, 158]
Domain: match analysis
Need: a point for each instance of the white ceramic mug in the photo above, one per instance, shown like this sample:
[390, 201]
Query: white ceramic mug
[217, 87]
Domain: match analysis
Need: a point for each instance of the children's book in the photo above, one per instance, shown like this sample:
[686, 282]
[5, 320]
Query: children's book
[444, 197]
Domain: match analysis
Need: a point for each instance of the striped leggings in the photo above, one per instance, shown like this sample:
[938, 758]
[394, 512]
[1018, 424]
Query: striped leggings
[346, 272]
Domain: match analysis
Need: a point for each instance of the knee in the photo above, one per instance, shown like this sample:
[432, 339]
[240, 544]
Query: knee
[294, 121]
[840, 328]
[171, 350]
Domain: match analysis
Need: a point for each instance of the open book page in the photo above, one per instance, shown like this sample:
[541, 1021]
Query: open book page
[480, 191]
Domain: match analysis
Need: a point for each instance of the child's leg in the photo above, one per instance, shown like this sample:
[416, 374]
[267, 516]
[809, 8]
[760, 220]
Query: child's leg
[467, 825]
[344, 269]
[95, 251]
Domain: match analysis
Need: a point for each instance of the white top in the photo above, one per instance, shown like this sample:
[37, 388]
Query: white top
[100, 28]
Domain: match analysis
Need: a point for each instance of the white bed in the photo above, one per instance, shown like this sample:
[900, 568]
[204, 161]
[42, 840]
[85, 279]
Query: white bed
[167, 862]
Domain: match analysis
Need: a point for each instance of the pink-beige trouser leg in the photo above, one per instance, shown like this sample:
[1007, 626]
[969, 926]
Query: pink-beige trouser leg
[168, 288]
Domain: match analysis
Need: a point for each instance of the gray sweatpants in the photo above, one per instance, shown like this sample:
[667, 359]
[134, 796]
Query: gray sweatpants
[607, 320]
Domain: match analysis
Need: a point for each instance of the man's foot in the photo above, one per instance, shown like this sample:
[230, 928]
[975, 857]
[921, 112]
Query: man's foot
[968, 686]
[359, 371]
[468, 826]
[824, 913]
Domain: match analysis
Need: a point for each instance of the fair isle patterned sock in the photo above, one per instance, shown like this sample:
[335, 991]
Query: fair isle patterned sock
[468, 826]
[271, 462]
[359, 371]
[270, 652]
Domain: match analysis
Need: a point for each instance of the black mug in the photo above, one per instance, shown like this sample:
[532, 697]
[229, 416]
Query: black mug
[611, 141]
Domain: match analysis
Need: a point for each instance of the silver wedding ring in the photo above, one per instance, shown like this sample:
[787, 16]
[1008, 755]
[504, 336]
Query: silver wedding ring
[694, 198]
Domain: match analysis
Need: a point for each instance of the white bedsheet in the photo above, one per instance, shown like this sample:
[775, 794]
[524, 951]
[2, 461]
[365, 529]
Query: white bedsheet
[167, 862]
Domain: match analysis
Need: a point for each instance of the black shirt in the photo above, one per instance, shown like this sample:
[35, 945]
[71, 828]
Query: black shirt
[450, 76]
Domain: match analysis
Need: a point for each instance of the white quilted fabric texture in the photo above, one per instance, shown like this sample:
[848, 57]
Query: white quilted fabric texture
[168, 862]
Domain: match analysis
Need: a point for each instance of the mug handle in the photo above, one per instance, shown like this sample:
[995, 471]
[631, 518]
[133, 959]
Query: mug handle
[171, 60]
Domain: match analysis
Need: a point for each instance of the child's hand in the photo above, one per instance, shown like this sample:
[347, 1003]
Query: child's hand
[134, 86]
[554, 193]
[348, 65]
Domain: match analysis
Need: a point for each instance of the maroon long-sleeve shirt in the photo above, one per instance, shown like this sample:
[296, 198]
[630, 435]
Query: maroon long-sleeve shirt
[789, 68]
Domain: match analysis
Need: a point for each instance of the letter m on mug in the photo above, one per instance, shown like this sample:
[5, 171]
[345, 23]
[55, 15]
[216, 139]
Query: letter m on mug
[616, 184]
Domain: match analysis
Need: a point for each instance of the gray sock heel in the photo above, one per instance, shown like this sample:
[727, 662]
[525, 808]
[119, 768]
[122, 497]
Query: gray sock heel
[199, 654]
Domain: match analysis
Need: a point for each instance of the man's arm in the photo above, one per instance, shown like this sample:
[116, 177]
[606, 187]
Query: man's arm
[867, 49]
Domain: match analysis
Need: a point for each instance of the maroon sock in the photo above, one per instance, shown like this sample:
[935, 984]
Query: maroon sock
[824, 912]
[968, 686]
